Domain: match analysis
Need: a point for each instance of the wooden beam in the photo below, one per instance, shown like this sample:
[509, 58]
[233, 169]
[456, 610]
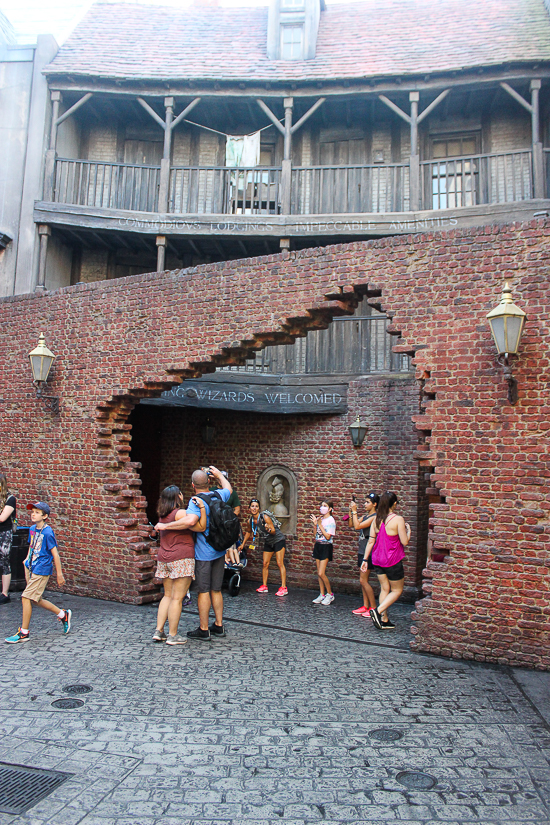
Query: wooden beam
[369, 86]
[185, 112]
[229, 116]
[100, 241]
[395, 108]
[78, 237]
[521, 100]
[276, 122]
[307, 115]
[73, 108]
[432, 105]
[217, 246]
[195, 248]
[152, 112]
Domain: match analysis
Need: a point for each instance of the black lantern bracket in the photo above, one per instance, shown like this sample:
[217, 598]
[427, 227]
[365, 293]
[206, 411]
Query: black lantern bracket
[504, 361]
[51, 402]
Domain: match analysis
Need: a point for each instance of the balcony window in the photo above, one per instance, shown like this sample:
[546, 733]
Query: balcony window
[292, 42]
[455, 176]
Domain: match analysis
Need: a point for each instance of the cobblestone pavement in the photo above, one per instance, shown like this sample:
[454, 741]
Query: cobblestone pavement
[297, 716]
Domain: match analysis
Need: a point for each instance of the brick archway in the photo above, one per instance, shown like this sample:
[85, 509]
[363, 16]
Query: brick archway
[142, 334]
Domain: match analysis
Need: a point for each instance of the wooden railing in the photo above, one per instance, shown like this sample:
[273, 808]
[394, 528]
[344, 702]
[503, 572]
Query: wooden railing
[453, 183]
[224, 190]
[446, 183]
[329, 190]
[107, 185]
[355, 345]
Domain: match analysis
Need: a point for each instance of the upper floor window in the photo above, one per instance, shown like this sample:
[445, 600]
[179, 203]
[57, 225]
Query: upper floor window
[455, 171]
[292, 42]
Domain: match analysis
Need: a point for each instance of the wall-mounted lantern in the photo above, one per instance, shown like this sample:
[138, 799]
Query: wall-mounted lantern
[507, 321]
[208, 432]
[41, 359]
[357, 431]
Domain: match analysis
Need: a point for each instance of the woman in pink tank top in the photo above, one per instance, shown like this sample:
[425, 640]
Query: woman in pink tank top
[389, 535]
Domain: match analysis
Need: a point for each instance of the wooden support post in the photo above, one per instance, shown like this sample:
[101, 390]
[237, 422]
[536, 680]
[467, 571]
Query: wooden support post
[51, 152]
[165, 162]
[413, 120]
[44, 231]
[536, 145]
[56, 100]
[161, 252]
[538, 155]
[414, 170]
[286, 170]
[168, 124]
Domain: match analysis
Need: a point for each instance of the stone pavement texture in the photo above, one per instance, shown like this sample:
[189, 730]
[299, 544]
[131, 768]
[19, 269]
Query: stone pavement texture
[302, 714]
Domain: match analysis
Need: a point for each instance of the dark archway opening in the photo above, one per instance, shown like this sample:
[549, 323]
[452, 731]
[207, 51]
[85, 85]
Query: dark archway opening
[167, 436]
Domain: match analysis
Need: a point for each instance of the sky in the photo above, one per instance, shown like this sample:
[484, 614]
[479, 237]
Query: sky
[59, 17]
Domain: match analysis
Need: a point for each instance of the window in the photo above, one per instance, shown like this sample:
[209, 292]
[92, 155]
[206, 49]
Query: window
[292, 42]
[292, 4]
[455, 180]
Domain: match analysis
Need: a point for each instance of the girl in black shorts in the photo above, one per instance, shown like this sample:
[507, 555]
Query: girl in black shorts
[325, 529]
[371, 503]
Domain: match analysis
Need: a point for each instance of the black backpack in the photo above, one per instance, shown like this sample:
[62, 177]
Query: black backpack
[224, 525]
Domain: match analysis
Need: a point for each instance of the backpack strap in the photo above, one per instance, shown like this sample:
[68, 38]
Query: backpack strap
[206, 497]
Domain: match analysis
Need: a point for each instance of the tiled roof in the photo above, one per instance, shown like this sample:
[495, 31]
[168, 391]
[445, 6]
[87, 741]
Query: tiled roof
[361, 39]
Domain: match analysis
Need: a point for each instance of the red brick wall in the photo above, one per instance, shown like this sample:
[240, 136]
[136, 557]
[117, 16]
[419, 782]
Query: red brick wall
[318, 450]
[489, 462]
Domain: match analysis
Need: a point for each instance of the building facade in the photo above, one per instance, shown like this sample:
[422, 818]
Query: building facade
[303, 218]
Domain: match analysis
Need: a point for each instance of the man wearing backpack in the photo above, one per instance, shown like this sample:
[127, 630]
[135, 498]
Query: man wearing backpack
[209, 562]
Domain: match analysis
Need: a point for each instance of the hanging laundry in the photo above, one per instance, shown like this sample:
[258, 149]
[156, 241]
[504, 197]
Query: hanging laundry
[243, 150]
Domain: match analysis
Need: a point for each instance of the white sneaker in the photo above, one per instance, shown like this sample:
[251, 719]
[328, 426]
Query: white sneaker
[319, 599]
[328, 599]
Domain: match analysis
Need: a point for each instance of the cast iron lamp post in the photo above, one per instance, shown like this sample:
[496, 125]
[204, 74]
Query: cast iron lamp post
[507, 322]
[357, 431]
[41, 359]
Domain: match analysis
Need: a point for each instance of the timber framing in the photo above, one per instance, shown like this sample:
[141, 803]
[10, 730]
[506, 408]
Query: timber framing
[464, 80]
[285, 226]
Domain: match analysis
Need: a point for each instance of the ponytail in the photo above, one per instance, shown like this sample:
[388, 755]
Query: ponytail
[387, 501]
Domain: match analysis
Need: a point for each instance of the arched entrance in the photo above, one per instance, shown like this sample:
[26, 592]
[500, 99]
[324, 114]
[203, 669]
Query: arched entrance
[291, 405]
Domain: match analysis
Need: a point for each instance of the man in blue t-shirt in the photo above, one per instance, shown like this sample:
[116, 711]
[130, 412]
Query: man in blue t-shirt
[209, 563]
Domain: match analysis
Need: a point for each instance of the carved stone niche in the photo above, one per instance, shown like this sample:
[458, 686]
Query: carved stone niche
[278, 492]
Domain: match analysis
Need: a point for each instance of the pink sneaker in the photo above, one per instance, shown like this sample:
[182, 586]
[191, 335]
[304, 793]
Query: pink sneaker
[282, 591]
[262, 589]
[360, 611]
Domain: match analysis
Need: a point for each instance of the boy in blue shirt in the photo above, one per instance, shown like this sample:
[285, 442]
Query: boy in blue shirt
[39, 564]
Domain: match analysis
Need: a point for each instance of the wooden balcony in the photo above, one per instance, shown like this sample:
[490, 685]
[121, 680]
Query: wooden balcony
[331, 201]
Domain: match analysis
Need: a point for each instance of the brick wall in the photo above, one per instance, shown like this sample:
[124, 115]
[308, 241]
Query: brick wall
[318, 450]
[489, 466]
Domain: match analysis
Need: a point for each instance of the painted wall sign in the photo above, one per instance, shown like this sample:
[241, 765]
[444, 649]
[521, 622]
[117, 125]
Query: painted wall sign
[281, 226]
[264, 398]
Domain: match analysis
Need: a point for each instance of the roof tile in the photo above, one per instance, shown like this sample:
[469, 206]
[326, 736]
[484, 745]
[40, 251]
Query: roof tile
[361, 39]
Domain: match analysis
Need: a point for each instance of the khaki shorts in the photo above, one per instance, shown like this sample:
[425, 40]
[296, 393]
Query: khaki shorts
[35, 587]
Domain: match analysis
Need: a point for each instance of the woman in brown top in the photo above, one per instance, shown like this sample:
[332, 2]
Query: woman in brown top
[175, 561]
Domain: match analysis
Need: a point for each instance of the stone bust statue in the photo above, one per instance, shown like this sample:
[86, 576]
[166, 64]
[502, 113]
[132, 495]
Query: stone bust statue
[276, 497]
